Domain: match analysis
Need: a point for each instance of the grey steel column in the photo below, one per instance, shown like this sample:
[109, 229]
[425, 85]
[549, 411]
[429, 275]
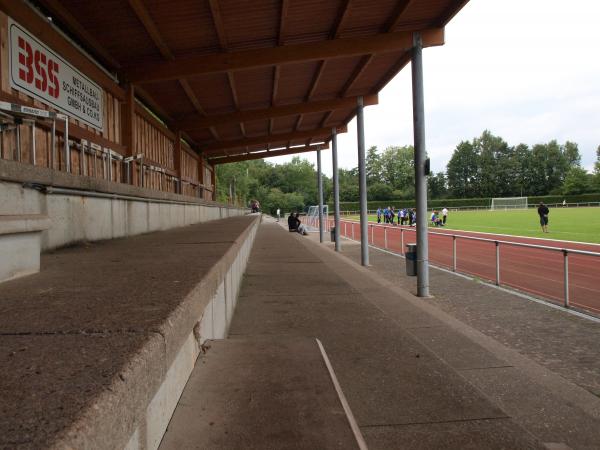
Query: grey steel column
[336, 190]
[362, 183]
[320, 185]
[420, 157]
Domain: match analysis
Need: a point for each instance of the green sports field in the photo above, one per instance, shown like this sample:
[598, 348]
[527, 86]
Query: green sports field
[568, 224]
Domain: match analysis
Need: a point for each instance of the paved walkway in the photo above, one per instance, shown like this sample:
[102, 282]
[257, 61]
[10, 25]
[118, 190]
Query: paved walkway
[405, 390]
[547, 370]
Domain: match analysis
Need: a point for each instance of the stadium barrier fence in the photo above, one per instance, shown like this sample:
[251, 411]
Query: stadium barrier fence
[544, 272]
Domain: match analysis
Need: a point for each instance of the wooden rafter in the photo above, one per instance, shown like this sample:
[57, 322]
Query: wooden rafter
[264, 140]
[248, 59]
[277, 68]
[63, 16]
[450, 12]
[215, 11]
[144, 17]
[267, 154]
[334, 34]
[389, 26]
[197, 122]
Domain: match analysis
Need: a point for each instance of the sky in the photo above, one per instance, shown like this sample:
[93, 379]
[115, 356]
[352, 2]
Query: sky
[527, 70]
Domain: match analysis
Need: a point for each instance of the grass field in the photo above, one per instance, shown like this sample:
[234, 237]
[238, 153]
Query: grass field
[568, 224]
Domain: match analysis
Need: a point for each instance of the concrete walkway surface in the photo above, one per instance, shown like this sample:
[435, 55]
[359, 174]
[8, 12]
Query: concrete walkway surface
[543, 364]
[400, 391]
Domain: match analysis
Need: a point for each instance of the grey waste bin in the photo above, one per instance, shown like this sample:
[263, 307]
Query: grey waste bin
[411, 260]
[332, 234]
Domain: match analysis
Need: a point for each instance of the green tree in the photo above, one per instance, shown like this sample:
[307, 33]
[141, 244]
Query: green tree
[437, 185]
[398, 169]
[463, 170]
[373, 166]
[379, 191]
[577, 181]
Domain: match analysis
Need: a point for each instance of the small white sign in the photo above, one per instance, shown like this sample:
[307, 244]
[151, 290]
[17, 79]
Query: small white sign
[41, 73]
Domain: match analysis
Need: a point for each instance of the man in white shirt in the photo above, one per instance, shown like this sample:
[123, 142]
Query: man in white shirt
[278, 214]
[444, 215]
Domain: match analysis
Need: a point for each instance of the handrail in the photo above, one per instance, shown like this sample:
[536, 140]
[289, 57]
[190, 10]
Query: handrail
[497, 242]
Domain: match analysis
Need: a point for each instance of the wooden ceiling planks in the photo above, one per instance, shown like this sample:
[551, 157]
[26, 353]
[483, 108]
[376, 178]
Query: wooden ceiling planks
[188, 33]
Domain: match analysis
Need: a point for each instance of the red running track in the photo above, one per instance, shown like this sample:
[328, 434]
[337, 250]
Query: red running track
[537, 271]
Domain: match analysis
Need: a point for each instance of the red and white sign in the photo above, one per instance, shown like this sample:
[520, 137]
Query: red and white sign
[41, 73]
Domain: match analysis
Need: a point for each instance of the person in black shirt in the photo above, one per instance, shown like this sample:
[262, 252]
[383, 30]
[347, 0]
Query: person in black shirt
[543, 212]
[292, 224]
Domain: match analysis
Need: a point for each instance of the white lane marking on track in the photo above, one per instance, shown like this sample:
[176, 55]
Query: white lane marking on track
[360, 440]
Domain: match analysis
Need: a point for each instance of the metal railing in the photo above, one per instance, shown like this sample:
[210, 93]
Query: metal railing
[391, 232]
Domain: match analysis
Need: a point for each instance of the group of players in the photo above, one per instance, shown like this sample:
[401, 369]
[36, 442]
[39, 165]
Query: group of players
[408, 216]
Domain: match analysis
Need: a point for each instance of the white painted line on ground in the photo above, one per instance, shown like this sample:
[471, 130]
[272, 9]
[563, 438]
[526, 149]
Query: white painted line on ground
[504, 289]
[360, 440]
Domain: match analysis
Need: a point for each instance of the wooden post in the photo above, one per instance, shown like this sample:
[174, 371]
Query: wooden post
[177, 161]
[127, 129]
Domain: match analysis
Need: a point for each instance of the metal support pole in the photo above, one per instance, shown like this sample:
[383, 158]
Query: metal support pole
[345, 229]
[497, 263]
[336, 190]
[95, 160]
[352, 226]
[372, 235]
[420, 157]
[142, 171]
[33, 143]
[81, 159]
[53, 144]
[362, 183]
[109, 160]
[18, 138]
[384, 237]
[566, 276]
[402, 252]
[454, 253]
[320, 189]
[67, 147]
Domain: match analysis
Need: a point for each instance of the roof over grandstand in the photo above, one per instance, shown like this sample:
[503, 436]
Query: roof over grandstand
[253, 79]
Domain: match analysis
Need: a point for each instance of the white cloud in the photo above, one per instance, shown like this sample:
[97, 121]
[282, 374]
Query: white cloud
[526, 70]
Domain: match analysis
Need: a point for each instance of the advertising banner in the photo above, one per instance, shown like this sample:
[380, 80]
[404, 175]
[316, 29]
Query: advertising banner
[39, 72]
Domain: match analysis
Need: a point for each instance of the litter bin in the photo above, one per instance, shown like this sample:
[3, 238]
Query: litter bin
[411, 260]
[332, 231]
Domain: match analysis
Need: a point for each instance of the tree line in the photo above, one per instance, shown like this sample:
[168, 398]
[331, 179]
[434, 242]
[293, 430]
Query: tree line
[486, 166]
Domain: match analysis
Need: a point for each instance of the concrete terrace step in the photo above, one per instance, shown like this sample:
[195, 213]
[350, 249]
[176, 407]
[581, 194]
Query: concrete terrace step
[96, 348]
[401, 393]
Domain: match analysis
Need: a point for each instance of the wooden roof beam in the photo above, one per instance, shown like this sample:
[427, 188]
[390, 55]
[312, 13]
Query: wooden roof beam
[144, 17]
[200, 122]
[224, 62]
[62, 15]
[215, 11]
[270, 154]
[277, 69]
[266, 139]
[399, 11]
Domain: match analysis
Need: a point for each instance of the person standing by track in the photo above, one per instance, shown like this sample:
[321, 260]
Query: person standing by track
[444, 215]
[543, 212]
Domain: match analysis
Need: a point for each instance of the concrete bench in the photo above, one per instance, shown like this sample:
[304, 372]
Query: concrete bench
[97, 347]
[20, 237]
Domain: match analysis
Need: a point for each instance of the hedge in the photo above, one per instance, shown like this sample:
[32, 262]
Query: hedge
[465, 202]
